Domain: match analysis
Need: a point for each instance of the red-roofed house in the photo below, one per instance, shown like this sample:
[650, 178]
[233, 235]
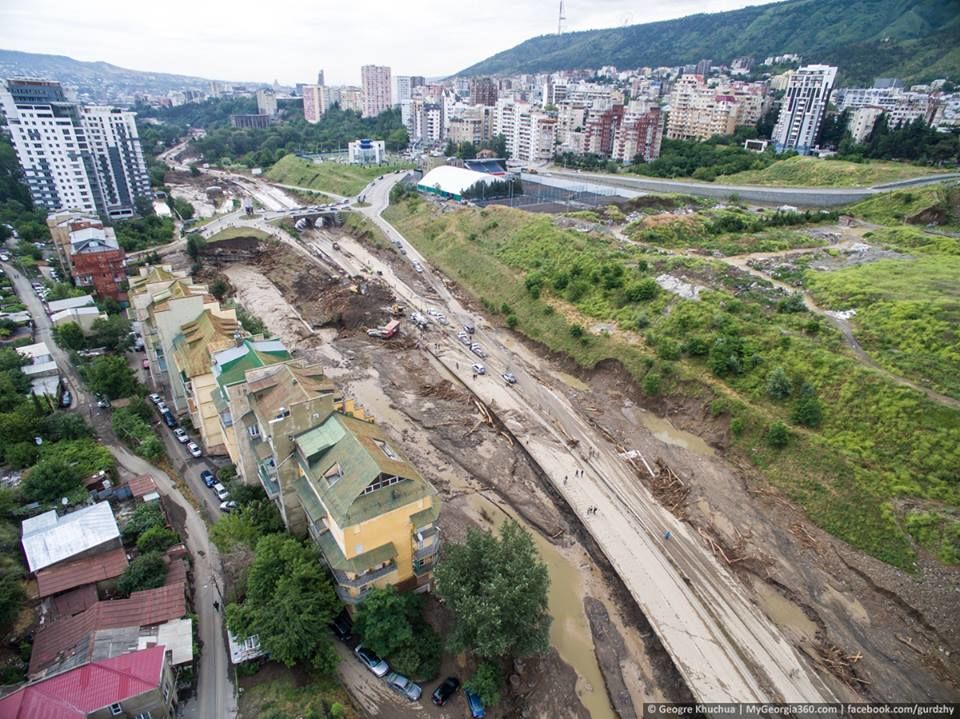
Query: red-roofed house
[77, 572]
[135, 685]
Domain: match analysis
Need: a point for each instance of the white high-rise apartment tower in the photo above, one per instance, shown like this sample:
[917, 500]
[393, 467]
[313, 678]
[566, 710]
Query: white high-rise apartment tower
[803, 108]
[376, 89]
[75, 157]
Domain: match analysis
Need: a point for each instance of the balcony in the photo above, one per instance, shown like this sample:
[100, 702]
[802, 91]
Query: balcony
[267, 472]
[366, 578]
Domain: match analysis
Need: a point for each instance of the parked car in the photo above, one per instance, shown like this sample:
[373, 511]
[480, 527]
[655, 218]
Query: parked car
[464, 339]
[342, 626]
[228, 506]
[66, 399]
[168, 419]
[469, 329]
[181, 434]
[194, 449]
[404, 686]
[475, 705]
[509, 378]
[371, 661]
[155, 398]
[208, 478]
[102, 401]
[418, 267]
[479, 368]
[445, 691]
[161, 406]
[223, 494]
[477, 350]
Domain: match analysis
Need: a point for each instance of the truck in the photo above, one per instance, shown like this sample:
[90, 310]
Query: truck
[385, 332]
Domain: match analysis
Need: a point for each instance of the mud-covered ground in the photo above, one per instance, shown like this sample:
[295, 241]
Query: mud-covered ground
[881, 634]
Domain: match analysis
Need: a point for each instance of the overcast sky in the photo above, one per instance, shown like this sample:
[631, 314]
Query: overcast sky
[290, 40]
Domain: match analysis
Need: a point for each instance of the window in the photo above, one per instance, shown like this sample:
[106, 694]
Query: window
[334, 474]
[166, 691]
[254, 430]
[386, 449]
[116, 709]
[143, 715]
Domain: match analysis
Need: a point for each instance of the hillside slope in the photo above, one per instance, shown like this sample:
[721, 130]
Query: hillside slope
[912, 39]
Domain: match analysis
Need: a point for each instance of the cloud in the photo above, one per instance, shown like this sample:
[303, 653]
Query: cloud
[291, 39]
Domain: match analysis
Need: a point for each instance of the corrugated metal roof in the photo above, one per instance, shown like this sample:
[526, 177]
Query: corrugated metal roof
[86, 689]
[84, 570]
[59, 305]
[48, 539]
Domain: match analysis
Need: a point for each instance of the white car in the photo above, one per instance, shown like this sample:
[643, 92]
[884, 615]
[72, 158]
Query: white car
[194, 449]
[181, 434]
[156, 399]
[418, 267]
[479, 368]
[161, 406]
[222, 493]
[509, 378]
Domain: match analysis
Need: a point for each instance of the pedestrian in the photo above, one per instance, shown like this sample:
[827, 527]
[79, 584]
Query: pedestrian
[667, 534]
[216, 605]
[564, 480]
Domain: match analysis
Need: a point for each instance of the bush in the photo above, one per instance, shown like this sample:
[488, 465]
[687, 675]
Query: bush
[156, 539]
[778, 384]
[148, 571]
[576, 331]
[651, 384]
[778, 435]
[807, 410]
[144, 517]
[736, 426]
[512, 321]
[485, 683]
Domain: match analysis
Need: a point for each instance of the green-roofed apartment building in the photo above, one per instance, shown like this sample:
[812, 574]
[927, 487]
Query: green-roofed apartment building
[338, 477]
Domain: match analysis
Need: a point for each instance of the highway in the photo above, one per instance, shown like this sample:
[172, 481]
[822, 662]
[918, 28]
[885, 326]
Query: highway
[798, 196]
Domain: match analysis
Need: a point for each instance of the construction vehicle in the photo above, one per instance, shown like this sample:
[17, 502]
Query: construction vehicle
[385, 332]
[397, 310]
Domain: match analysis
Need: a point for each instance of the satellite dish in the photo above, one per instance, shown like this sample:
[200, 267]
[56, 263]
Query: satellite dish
[64, 501]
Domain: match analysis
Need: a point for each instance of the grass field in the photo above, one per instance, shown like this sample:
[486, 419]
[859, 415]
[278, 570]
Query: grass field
[939, 203]
[814, 172]
[331, 177]
[908, 314]
[878, 442]
[233, 232]
[281, 698]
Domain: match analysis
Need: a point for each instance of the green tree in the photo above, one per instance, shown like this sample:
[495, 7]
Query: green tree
[21, 454]
[512, 321]
[51, 479]
[219, 288]
[111, 376]
[247, 525]
[288, 604]
[12, 596]
[641, 290]
[195, 245]
[144, 517]
[148, 571]
[70, 336]
[112, 333]
[778, 435]
[497, 591]
[779, 385]
[64, 425]
[807, 410]
[85, 456]
[156, 539]
[485, 683]
[651, 384]
[391, 624]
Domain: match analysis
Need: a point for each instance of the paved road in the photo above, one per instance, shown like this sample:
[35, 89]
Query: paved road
[799, 196]
[216, 695]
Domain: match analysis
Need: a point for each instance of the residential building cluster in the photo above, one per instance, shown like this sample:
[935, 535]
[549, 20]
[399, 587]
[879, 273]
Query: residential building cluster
[93, 656]
[332, 472]
[700, 109]
[73, 156]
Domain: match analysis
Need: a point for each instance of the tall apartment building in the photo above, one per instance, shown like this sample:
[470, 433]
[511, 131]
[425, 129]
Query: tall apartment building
[314, 103]
[266, 102]
[483, 91]
[803, 108]
[531, 135]
[90, 253]
[862, 121]
[639, 135]
[320, 81]
[350, 98]
[897, 104]
[75, 157]
[376, 89]
[699, 111]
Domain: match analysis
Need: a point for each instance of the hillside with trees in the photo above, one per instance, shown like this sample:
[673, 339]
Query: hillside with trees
[915, 40]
